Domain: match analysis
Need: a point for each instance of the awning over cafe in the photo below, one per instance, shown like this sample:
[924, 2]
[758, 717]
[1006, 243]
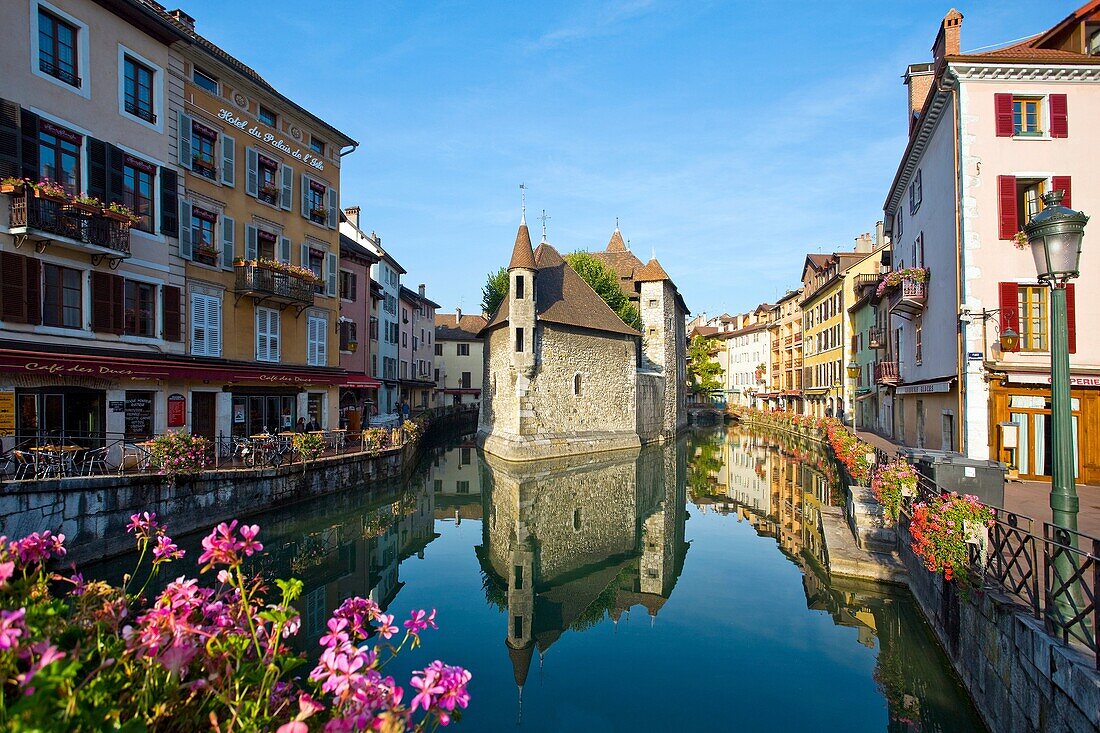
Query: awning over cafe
[44, 364]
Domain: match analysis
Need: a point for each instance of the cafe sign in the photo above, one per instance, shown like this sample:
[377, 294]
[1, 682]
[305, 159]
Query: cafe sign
[278, 143]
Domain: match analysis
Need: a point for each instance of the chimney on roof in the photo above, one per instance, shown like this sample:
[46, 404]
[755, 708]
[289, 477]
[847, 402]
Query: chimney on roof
[948, 39]
[183, 17]
[864, 243]
[352, 213]
[421, 289]
[458, 315]
[880, 234]
[918, 80]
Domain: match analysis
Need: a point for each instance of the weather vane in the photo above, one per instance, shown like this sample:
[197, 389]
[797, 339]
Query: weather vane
[545, 218]
[523, 200]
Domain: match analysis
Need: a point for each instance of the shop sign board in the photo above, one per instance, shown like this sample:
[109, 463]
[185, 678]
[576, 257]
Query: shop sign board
[177, 411]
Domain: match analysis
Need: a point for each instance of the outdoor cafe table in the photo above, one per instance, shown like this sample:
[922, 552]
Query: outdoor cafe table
[63, 454]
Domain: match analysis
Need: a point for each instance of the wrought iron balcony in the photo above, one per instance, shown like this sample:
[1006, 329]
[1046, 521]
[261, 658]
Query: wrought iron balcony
[909, 297]
[48, 221]
[270, 285]
[886, 372]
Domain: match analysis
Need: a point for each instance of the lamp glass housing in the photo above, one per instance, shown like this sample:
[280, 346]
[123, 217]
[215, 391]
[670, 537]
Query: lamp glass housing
[1009, 339]
[853, 369]
[1055, 235]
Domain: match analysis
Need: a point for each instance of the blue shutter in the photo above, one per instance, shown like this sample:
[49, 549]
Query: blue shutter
[252, 172]
[229, 239]
[251, 242]
[229, 161]
[185, 229]
[331, 274]
[333, 207]
[183, 141]
[286, 196]
[284, 249]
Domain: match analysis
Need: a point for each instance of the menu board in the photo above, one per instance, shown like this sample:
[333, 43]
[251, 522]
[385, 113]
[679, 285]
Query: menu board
[7, 413]
[139, 414]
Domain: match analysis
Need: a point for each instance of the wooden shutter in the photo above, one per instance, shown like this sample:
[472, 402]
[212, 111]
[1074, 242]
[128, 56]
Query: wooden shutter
[286, 195]
[354, 294]
[252, 172]
[311, 340]
[305, 196]
[171, 310]
[14, 285]
[303, 255]
[345, 335]
[169, 203]
[261, 335]
[284, 249]
[118, 304]
[185, 229]
[1062, 183]
[198, 325]
[1009, 295]
[1071, 316]
[1059, 116]
[101, 301]
[1002, 111]
[29, 123]
[333, 265]
[273, 334]
[251, 242]
[320, 357]
[34, 290]
[333, 207]
[229, 240]
[183, 141]
[1006, 201]
[116, 174]
[97, 169]
[229, 161]
[11, 162]
[213, 325]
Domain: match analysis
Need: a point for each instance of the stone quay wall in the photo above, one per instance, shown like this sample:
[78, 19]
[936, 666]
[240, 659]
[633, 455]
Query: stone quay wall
[92, 512]
[1020, 677]
[651, 407]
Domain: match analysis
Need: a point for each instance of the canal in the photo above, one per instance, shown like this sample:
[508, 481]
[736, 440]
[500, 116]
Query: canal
[679, 587]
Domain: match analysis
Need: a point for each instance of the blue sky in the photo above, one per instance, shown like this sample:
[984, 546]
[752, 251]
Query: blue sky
[727, 137]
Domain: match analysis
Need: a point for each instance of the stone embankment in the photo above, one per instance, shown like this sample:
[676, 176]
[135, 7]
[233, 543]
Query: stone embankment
[1020, 677]
[92, 512]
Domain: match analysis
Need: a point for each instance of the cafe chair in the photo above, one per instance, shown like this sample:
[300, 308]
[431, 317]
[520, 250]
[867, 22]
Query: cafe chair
[26, 464]
[95, 462]
[134, 457]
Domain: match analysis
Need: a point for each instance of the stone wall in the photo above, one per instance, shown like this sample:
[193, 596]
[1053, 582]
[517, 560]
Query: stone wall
[650, 407]
[664, 348]
[1020, 677]
[92, 512]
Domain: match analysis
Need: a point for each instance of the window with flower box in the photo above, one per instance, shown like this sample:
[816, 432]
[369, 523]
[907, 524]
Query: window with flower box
[267, 180]
[316, 196]
[203, 140]
[59, 155]
[203, 241]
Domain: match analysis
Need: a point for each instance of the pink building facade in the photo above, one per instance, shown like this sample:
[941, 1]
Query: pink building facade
[360, 394]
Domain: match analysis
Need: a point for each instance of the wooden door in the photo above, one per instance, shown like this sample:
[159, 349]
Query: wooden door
[203, 414]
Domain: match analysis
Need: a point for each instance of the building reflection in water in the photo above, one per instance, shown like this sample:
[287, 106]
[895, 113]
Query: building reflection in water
[567, 543]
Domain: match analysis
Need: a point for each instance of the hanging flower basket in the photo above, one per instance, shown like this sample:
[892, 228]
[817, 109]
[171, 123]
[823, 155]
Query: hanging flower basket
[943, 528]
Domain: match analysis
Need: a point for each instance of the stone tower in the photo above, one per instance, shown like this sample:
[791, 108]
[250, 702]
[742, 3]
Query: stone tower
[663, 339]
[521, 304]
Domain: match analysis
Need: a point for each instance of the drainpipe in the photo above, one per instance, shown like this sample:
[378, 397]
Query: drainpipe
[960, 345]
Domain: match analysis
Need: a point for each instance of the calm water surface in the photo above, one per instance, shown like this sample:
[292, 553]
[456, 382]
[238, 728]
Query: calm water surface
[669, 589]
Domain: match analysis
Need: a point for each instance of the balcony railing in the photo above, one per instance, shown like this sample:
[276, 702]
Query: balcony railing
[886, 372]
[48, 221]
[909, 296]
[271, 285]
[139, 110]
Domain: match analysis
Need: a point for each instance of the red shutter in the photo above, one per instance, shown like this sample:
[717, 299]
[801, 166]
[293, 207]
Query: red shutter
[101, 302]
[1006, 199]
[1062, 183]
[1010, 308]
[1071, 317]
[118, 304]
[171, 313]
[1002, 110]
[1059, 116]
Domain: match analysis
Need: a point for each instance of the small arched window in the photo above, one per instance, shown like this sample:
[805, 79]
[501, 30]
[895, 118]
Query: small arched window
[576, 385]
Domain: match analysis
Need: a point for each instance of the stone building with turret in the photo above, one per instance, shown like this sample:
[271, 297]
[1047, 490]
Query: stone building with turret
[564, 374]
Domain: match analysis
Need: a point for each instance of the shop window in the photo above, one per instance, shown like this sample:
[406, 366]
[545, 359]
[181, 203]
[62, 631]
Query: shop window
[203, 140]
[141, 312]
[1033, 317]
[315, 406]
[59, 156]
[137, 191]
[63, 297]
[138, 89]
[57, 48]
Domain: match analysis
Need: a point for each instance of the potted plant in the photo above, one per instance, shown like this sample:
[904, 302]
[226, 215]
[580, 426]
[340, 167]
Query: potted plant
[50, 190]
[13, 185]
[320, 212]
[1019, 240]
[206, 252]
[120, 213]
[269, 189]
[86, 204]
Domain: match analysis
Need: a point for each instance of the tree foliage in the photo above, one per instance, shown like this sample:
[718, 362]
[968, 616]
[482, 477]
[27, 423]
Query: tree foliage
[496, 287]
[605, 282]
[705, 373]
[599, 277]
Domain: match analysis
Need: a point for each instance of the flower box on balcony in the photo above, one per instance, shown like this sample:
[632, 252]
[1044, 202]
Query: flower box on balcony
[12, 186]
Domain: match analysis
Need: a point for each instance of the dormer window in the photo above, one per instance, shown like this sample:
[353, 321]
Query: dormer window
[519, 287]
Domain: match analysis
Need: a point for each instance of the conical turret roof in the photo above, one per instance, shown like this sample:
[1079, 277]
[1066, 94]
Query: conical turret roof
[523, 254]
[652, 272]
[616, 244]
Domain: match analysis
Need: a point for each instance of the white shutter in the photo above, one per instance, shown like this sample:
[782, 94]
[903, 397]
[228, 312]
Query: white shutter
[284, 249]
[303, 255]
[333, 204]
[287, 194]
[322, 342]
[183, 141]
[213, 326]
[251, 242]
[305, 196]
[333, 273]
[229, 239]
[229, 161]
[261, 335]
[198, 325]
[311, 340]
[275, 323]
[185, 229]
[252, 172]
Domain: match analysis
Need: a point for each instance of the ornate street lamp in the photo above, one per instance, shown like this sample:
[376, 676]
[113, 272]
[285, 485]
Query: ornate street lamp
[1009, 339]
[853, 369]
[1055, 235]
